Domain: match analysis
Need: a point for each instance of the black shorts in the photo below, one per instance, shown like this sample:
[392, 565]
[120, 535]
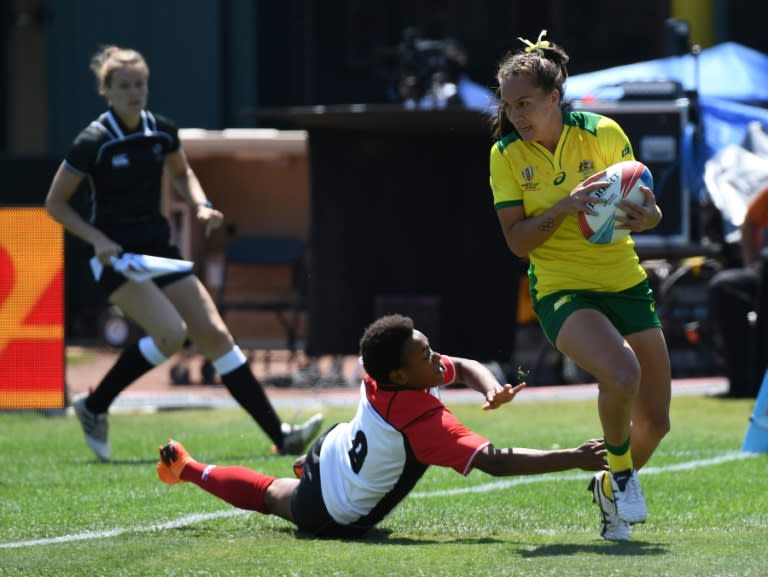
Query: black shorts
[110, 280]
[308, 507]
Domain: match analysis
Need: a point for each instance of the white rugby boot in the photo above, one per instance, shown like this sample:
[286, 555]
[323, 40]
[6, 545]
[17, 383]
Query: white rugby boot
[612, 528]
[95, 428]
[630, 501]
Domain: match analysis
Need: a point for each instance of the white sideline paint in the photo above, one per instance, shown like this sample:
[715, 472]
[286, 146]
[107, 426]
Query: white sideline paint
[506, 483]
[202, 517]
[88, 535]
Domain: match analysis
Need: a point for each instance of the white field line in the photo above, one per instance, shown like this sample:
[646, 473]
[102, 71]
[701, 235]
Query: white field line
[92, 535]
[505, 483]
[486, 487]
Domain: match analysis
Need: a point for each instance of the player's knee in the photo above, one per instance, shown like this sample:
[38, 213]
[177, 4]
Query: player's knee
[213, 340]
[171, 339]
[624, 380]
[278, 498]
[220, 334]
[656, 426]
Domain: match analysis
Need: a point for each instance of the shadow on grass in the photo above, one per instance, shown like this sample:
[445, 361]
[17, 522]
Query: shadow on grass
[383, 537]
[378, 536]
[623, 548]
[117, 462]
[225, 461]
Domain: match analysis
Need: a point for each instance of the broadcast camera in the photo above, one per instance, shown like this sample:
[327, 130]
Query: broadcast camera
[429, 70]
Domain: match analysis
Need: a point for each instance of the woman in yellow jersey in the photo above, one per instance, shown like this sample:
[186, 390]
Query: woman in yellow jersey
[593, 301]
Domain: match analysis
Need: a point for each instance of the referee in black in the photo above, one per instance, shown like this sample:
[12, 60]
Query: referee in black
[123, 154]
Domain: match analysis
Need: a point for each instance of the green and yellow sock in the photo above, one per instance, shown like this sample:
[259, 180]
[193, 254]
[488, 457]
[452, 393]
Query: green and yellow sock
[619, 460]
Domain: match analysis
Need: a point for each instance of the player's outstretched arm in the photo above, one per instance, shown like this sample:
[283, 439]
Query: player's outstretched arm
[478, 377]
[589, 456]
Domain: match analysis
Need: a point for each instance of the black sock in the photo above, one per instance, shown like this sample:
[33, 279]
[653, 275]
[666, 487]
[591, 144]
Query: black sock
[129, 366]
[247, 391]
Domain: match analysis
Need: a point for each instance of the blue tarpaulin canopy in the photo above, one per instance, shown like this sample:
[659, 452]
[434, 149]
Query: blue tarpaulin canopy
[731, 81]
[726, 122]
[727, 71]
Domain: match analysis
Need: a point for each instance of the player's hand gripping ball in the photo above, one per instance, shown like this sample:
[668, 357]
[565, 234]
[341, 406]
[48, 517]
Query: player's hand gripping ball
[624, 182]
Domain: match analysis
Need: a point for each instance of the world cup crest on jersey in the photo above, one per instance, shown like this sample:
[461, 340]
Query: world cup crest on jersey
[528, 173]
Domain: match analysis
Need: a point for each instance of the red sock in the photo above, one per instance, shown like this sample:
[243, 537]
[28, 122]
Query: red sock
[239, 486]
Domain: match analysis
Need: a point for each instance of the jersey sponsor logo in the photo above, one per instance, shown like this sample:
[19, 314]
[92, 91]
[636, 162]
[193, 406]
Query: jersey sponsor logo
[121, 160]
[559, 179]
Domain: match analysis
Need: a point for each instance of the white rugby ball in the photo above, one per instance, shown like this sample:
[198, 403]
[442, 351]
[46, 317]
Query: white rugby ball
[624, 182]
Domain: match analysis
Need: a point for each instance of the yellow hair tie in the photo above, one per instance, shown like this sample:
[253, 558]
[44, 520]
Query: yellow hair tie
[540, 43]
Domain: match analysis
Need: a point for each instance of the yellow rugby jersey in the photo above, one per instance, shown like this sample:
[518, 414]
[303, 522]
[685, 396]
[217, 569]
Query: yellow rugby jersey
[528, 174]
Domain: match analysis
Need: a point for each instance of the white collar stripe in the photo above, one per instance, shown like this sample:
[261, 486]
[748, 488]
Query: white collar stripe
[99, 126]
[114, 125]
[145, 123]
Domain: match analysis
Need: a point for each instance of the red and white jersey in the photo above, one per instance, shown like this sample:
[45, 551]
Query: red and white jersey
[367, 466]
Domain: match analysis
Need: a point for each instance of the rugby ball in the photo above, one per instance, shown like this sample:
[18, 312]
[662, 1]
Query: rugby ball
[624, 182]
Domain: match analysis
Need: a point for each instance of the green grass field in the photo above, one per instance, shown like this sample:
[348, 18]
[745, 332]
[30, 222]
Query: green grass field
[64, 514]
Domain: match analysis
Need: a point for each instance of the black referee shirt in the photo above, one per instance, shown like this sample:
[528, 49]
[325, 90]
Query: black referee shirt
[124, 171]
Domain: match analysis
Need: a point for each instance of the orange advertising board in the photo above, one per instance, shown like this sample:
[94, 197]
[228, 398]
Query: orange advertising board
[31, 309]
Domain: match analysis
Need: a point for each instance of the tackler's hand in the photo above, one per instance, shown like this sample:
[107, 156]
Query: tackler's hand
[591, 455]
[501, 395]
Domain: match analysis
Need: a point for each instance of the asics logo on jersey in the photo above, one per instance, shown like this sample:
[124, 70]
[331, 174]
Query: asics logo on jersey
[559, 179]
[121, 160]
